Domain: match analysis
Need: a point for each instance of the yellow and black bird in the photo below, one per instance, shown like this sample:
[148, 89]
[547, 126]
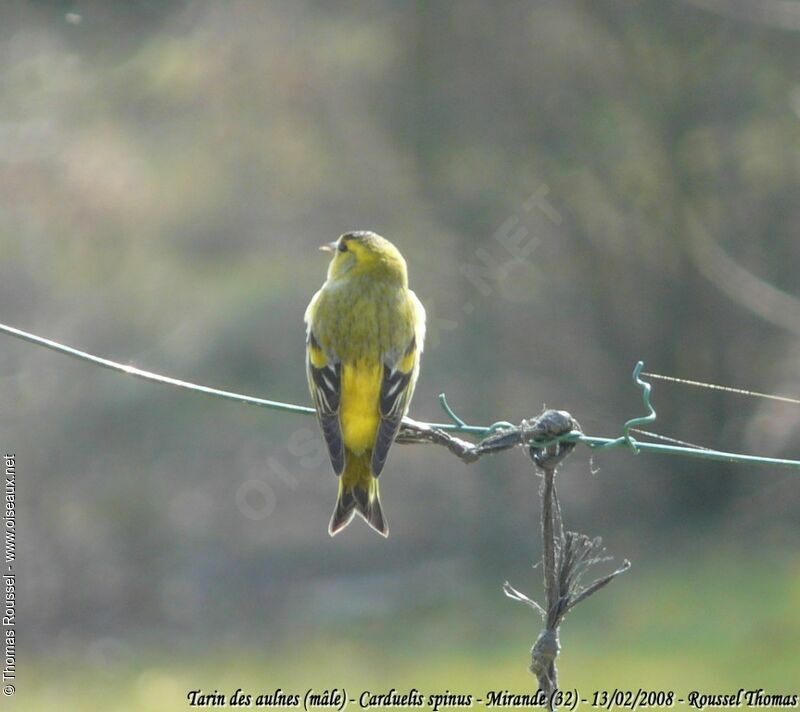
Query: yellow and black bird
[365, 332]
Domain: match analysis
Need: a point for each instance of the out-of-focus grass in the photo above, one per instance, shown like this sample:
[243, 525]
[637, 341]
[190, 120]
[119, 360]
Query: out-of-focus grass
[714, 625]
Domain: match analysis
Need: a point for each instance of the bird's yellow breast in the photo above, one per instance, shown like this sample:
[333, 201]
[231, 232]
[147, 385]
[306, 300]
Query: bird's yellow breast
[359, 416]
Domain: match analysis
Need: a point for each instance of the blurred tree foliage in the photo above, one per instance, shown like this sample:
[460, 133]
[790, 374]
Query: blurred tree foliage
[167, 171]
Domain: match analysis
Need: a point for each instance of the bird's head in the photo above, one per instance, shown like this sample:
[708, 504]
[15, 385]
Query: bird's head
[365, 253]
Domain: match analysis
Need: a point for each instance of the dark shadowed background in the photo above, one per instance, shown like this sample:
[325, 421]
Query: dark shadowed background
[575, 185]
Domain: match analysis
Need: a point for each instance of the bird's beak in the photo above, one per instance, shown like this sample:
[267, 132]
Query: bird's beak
[330, 247]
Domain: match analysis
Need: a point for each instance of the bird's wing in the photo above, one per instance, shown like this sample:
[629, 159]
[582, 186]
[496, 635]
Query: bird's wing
[397, 387]
[325, 381]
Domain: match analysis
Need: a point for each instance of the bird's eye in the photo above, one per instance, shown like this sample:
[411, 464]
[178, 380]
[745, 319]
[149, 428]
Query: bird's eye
[342, 247]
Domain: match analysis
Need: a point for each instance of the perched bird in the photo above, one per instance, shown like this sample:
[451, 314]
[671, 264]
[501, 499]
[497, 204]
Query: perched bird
[364, 337]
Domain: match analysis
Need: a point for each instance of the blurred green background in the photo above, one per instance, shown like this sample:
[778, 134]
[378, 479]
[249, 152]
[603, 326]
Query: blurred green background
[575, 185]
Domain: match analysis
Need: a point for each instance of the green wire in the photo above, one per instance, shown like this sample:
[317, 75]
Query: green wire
[149, 376]
[457, 426]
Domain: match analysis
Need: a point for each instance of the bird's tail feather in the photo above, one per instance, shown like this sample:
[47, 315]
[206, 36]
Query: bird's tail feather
[358, 494]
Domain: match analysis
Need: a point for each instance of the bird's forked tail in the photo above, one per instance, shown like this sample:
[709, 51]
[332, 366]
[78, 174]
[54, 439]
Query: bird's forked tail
[358, 493]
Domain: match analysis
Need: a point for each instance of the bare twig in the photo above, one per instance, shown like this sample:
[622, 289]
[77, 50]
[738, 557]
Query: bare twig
[566, 557]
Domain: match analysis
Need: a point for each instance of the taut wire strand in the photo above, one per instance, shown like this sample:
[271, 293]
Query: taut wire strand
[668, 439]
[457, 426]
[727, 389]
